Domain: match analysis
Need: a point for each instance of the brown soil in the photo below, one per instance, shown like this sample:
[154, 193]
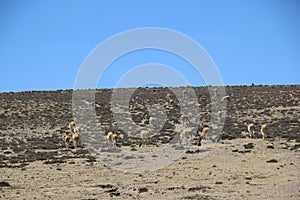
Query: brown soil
[35, 164]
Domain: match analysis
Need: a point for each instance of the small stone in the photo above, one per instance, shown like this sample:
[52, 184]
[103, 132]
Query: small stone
[4, 184]
[272, 161]
[249, 146]
[296, 146]
[189, 152]
[143, 190]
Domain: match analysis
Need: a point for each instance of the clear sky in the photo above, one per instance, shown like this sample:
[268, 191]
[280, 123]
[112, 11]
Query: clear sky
[44, 43]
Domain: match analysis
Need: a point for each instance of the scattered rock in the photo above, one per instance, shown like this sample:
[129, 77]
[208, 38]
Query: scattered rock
[200, 150]
[91, 159]
[245, 151]
[115, 194]
[296, 146]
[129, 157]
[249, 146]
[53, 161]
[105, 186]
[111, 190]
[143, 189]
[7, 152]
[270, 146]
[198, 196]
[4, 184]
[272, 161]
[189, 152]
[219, 182]
[202, 188]
[133, 149]
[173, 188]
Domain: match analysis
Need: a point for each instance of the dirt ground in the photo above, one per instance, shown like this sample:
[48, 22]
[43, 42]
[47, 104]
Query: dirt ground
[34, 163]
[264, 170]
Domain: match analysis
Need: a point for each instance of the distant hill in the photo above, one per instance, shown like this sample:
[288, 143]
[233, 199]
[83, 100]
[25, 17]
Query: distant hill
[278, 106]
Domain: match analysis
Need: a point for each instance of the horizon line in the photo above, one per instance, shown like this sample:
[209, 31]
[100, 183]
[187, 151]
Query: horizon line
[146, 87]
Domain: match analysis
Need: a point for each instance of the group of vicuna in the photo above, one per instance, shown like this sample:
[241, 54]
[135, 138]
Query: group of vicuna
[185, 133]
[250, 127]
[75, 135]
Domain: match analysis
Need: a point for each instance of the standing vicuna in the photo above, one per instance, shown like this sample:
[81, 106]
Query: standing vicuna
[250, 128]
[168, 97]
[71, 125]
[263, 130]
[202, 135]
[145, 135]
[186, 133]
[215, 92]
[76, 138]
[153, 122]
[185, 120]
[67, 139]
[112, 138]
[75, 131]
[186, 94]
[226, 98]
[220, 114]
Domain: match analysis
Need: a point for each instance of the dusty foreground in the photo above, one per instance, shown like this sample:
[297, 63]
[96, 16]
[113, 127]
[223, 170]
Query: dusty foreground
[264, 170]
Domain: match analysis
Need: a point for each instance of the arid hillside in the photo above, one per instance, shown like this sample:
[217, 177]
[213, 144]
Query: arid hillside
[32, 125]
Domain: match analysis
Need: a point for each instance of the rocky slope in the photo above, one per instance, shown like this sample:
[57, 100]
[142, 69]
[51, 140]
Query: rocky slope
[32, 125]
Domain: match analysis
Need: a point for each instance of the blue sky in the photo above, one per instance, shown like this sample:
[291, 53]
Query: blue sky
[44, 43]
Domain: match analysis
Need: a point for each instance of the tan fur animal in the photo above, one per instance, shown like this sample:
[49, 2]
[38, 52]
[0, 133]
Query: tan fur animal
[67, 139]
[171, 102]
[250, 128]
[226, 98]
[204, 132]
[215, 92]
[185, 94]
[168, 97]
[185, 133]
[202, 135]
[220, 113]
[145, 135]
[153, 122]
[112, 138]
[263, 130]
[71, 125]
[75, 131]
[185, 120]
[76, 139]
